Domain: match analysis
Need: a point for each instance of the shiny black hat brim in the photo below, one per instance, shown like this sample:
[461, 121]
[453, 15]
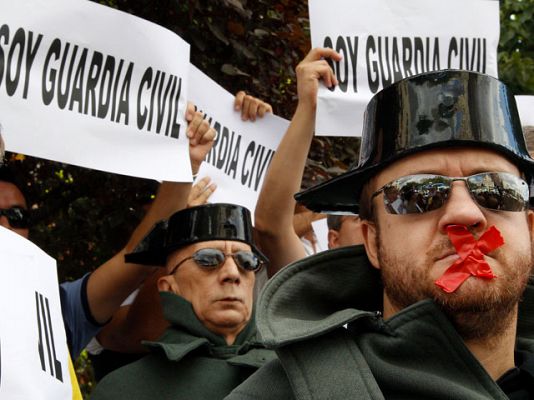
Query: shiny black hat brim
[207, 222]
[341, 194]
[441, 109]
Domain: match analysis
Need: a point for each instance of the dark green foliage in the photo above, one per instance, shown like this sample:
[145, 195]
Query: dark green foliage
[516, 47]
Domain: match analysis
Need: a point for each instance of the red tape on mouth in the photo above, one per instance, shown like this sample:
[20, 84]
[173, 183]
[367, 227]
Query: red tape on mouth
[471, 252]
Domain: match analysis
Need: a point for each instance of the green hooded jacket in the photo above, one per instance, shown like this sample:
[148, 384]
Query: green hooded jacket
[417, 354]
[187, 362]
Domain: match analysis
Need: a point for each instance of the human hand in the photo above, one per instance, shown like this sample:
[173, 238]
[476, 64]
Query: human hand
[311, 70]
[250, 106]
[201, 192]
[201, 136]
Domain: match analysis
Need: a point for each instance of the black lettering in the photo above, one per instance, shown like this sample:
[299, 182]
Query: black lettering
[162, 101]
[484, 56]
[92, 79]
[249, 152]
[40, 348]
[262, 167]
[152, 95]
[44, 325]
[124, 100]
[223, 148]
[57, 363]
[381, 55]
[235, 159]
[230, 147]
[142, 115]
[329, 44]
[453, 48]
[4, 33]
[173, 106]
[45, 329]
[175, 130]
[397, 74]
[12, 81]
[461, 53]
[48, 90]
[418, 55]
[407, 56]
[77, 88]
[479, 45]
[254, 161]
[427, 41]
[30, 56]
[63, 96]
[467, 65]
[373, 82]
[435, 61]
[353, 53]
[212, 155]
[115, 89]
[342, 80]
[105, 94]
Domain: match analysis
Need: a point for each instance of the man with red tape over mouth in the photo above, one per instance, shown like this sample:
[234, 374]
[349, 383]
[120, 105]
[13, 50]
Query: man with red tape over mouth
[438, 301]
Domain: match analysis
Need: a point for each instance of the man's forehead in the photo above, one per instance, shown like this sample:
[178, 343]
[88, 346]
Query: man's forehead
[10, 195]
[462, 161]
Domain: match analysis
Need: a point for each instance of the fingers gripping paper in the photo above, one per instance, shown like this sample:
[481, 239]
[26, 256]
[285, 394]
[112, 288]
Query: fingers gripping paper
[471, 252]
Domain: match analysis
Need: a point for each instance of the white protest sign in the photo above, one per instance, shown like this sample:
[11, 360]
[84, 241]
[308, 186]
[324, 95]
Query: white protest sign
[242, 152]
[525, 105]
[33, 346]
[383, 41]
[88, 85]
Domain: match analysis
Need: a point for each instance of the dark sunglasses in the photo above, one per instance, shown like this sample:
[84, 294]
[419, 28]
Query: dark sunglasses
[17, 217]
[416, 194]
[213, 258]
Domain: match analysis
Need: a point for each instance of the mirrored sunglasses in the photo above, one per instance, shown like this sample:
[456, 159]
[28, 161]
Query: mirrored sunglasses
[213, 258]
[17, 217]
[416, 194]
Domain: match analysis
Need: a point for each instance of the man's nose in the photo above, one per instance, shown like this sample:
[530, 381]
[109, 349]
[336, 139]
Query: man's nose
[462, 209]
[229, 271]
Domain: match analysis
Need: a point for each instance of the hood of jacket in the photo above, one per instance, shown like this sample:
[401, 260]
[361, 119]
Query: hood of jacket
[187, 334]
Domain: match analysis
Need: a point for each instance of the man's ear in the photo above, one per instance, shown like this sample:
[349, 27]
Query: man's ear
[370, 241]
[333, 236]
[167, 283]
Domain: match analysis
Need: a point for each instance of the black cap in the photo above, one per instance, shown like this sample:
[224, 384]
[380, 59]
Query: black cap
[449, 108]
[191, 225]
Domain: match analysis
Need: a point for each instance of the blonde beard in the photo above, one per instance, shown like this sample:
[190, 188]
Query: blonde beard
[478, 315]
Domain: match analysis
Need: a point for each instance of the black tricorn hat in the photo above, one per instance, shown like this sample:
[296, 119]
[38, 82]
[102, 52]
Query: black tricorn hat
[448, 108]
[191, 225]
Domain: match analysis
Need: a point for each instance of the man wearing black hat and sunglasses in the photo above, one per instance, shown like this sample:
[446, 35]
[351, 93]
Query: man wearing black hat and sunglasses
[438, 303]
[207, 296]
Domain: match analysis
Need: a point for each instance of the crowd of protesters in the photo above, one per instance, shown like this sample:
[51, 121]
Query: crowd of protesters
[173, 314]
